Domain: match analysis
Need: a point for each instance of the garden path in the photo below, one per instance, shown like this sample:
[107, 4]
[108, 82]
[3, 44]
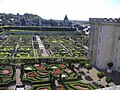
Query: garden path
[80, 44]
[66, 49]
[70, 53]
[93, 75]
[41, 46]
[18, 72]
[17, 46]
[56, 83]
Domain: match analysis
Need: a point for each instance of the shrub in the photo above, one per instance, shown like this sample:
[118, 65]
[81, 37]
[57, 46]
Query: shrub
[109, 80]
[100, 75]
[88, 67]
[82, 63]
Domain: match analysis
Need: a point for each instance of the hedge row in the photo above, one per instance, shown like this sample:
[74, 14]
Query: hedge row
[39, 28]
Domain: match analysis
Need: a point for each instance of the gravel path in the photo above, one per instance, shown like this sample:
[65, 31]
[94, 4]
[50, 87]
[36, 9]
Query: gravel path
[41, 46]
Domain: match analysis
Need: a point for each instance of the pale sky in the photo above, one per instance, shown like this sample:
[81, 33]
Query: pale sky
[57, 9]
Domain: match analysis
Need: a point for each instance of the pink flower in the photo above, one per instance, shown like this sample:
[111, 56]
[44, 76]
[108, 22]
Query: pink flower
[43, 73]
[37, 65]
[5, 71]
[69, 71]
[82, 88]
[43, 89]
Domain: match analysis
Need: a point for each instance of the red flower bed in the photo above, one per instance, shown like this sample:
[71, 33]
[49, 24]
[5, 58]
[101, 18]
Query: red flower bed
[59, 88]
[41, 68]
[43, 89]
[62, 66]
[57, 72]
[31, 74]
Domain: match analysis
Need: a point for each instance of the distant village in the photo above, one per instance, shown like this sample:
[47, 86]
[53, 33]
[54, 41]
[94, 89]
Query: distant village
[35, 20]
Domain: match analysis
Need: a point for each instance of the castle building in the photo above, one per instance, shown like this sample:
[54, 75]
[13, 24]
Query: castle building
[104, 42]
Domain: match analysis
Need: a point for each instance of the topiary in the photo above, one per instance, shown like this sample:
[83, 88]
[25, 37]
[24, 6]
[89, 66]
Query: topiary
[82, 63]
[108, 80]
[88, 67]
[110, 64]
[100, 75]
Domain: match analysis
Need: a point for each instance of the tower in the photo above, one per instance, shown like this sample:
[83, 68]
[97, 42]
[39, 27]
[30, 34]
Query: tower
[66, 21]
[104, 42]
[65, 18]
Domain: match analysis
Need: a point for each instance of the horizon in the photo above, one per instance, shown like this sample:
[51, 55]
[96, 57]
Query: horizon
[52, 9]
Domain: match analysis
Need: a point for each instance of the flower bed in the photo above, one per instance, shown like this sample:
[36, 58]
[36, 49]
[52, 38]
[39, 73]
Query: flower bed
[79, 87]
[6, 74]
[31, 75]
[62, 66]
[57, 72]
[41, 68]
[43, 73]
[68, 70]
[5, 71]
[37, 65]
[60, 88]
[43, 88]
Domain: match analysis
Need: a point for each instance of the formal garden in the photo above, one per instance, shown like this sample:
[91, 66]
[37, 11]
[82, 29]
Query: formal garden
[54, 77]
[26, 46]
[7, 75]
[61, 69]
[65, 46]
[19, 46]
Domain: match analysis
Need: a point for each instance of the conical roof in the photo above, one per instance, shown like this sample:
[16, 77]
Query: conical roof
[66, 18]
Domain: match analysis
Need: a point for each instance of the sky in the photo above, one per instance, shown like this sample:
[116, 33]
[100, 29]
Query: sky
[57, 9]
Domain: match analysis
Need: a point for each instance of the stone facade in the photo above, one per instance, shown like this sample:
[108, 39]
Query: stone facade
[104, 45]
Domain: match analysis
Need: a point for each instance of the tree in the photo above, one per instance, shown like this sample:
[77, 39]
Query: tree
[108, 80]
[88, 67]
[100, 75]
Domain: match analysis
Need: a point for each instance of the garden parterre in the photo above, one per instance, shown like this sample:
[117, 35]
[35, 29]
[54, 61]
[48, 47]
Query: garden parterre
[45, 77]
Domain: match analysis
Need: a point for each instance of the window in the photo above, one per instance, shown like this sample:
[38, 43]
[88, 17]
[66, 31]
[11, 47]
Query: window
[116, 50]
[99, 39]
[118, 68]
[118, 38]
[101, 29]
[97, 62]
[98, 51]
